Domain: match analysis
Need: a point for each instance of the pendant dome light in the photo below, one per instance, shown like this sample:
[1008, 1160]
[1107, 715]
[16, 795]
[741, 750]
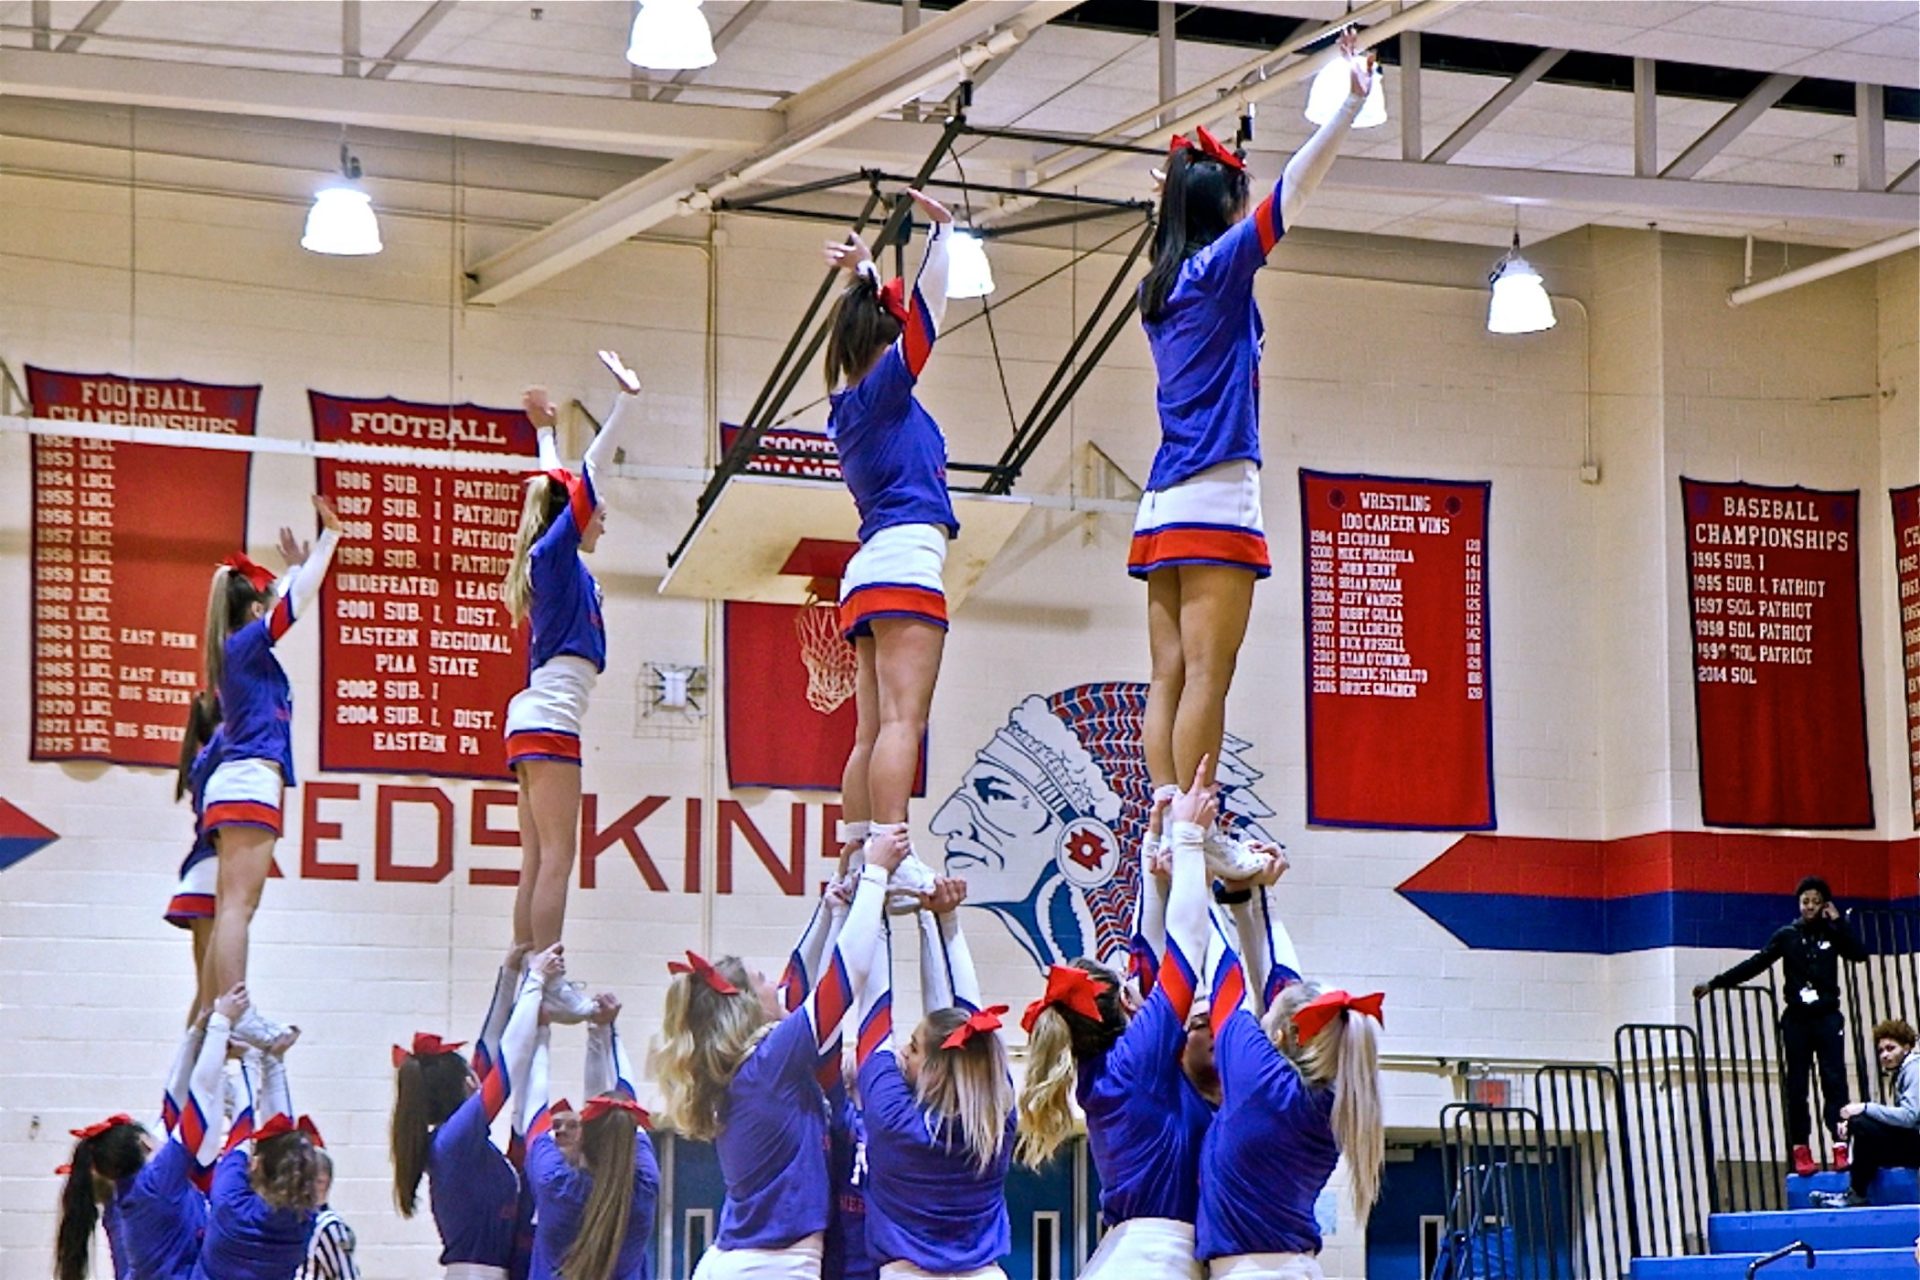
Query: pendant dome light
[670, 35]
[341, 221]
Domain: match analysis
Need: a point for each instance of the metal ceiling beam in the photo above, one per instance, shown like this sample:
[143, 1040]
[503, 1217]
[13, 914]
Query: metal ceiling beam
[736, 25]
[1646, 118]
[42, 20]
[90, 23]
[1907, 183]
[1730, 126]
[1412, 140]
[422, 28]
[1870, 127]
[902, 69]
[584, 123]
[1490, 110]
[1609, 192]
[350, 37]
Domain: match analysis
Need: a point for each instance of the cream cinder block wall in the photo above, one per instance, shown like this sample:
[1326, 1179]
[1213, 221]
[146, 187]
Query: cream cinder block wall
[1394, 375]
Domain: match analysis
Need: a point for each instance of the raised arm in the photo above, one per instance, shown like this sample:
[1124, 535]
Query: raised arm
[272, 1098]
[1188, 915]
[205, 1103]
[947, 977]
[803, 962]
[613, 433]
[608, 1068]
[1266, 946]
[530, 1104]
[506, 984]
[513, 1068]
[301, 586]
[180, 1074]
[1149, 939]
[1315, 157]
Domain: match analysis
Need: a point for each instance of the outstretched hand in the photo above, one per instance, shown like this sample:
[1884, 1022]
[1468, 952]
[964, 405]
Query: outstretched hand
[935, 211]
[293, 551]
[329, 518]
[535, 404]
[849, 254]
[1200, 803]
[1359, 66]
[629, 380]
[232, 1003]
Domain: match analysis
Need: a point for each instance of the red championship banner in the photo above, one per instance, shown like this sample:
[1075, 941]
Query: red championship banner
[125, 540]
[1399, 712]
[1906, 553]
[417, 661]
[1773, 585]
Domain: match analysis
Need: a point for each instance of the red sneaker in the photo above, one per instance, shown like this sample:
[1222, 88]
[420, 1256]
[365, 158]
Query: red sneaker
[1840, 1157]
[1802, 1160]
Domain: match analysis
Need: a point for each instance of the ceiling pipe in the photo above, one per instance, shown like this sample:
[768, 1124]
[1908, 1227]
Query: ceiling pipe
[1825, 267]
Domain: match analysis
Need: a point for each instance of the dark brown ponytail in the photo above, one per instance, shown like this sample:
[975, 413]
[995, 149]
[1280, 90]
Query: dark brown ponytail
[858, 330]
[203, 717]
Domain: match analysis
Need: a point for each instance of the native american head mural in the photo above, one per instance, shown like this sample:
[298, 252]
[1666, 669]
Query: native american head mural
[1046, 825]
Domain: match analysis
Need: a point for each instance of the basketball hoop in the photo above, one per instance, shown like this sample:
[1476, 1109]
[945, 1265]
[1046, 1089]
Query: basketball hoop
[832, 666]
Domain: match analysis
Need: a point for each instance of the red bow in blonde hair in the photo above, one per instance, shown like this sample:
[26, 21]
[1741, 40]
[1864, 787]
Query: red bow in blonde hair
[980, 1023]
[560, 476]
[703, 969]
[1314, 1016]
[279, 1126]
[99, 1127]
[893, 299]
[597, 1107]
[252, 570]
[425, 1045]
[1069, 987]
[1207, 145]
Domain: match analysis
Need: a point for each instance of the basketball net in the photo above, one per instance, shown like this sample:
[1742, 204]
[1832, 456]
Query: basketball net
[832, 666]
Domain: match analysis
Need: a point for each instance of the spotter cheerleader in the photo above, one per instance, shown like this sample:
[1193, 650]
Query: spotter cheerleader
[1199, 541]
[247, 615]
[892, 605]
[549, 586]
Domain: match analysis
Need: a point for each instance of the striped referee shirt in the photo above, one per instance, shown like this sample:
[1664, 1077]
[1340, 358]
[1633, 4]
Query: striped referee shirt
[330, 1256]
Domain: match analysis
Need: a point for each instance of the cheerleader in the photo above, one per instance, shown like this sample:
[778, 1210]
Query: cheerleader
[1132, 1072]
[1199, 541]
[247, 614]
[443, 1111]
[939, 1118]
[737, 1072]
[549, 586]
[266, 1189]
[892, 605]
[192, 905]
[1300, 1088]
[595, 1179]
[148, 1200]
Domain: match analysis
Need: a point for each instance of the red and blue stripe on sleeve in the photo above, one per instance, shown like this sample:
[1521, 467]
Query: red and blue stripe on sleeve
[1178, 980]
[875, 1030]
[916, 340]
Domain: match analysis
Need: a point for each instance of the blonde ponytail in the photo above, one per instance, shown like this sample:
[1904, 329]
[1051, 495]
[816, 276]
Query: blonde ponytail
[969, 1087]
[704, 1037]
[1345, 1057]
[1046, 1109]
[516, 589]
[219, 611]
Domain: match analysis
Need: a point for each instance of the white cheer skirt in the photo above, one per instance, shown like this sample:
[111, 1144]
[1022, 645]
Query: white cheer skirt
[1145, 1249]
[903, 1270]
[244, 793]
[1213, 518]
[895, 574]
[193, 896]
[543, 720]
[798, 1261]
[1266, 1266]
[474, 1271]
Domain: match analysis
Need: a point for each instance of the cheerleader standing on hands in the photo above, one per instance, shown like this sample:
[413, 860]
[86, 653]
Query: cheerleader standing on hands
[550, 586]
[892, 605]
[1199, 540]
[247, 615]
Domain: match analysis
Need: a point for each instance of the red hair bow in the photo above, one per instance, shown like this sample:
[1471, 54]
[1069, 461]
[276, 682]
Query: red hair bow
[1207, 145]
[99, 1127]
[425, 1045]
[597, 1107]
[62, 1170]
[1069, 987]
[980, 1023]
[699, 966]
[893, 299]
[278, 1126]
[252, 570]
[556, 1108]
[560, 476]
[1314, 1016]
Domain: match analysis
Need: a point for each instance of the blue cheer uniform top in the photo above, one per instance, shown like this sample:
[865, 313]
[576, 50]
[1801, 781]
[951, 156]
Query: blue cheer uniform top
[1145, 1120]
[844, 1255]
[1268, 1154]
[772, 1144]
[560, 1194]
[473, 1189]
[564, 618]
[256, 700]
[245, 1239]
[1206, 353]
[927, 1202]
[161, 1215]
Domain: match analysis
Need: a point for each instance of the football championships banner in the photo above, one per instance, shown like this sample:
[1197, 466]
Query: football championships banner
[1906, 554]
[1773, 585]
[1397, 655]
[125, 540]
[417, 661]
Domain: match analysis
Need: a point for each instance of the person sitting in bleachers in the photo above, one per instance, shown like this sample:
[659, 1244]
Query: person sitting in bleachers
[1883, 1136]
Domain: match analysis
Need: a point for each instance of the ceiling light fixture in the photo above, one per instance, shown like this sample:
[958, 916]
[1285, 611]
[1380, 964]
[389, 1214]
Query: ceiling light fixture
[341, 222]
[969, 274]
[1520, 303]
[671, 35]
[1330, 88]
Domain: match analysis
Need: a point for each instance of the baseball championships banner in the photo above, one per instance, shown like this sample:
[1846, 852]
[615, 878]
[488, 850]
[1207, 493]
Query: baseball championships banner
[1399, 709]
[125, 540]
[1773, 586]
[417, 660]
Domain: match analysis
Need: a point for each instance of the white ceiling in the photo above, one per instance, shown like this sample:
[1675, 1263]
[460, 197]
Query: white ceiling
[1073, 80]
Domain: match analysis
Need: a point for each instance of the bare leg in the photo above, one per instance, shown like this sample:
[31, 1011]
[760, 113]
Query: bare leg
[529, 866]
[1215, 602]
[246, 855]
[906, 665]
[203, 992]
[856, 800]
[553, 797]
[1169, 676]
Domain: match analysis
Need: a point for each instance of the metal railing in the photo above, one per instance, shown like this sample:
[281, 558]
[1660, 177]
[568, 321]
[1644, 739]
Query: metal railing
[1885, 985]
[1664, 1117]
[1505, 1212]
[1580, 1109]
